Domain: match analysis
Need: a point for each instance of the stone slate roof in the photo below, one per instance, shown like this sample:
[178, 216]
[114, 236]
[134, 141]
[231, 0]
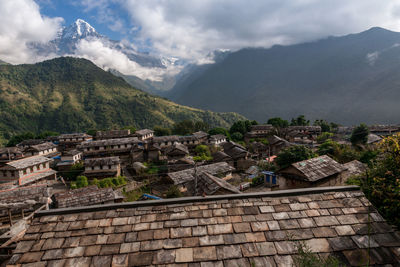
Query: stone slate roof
[187, 175]
[74, 135]
[200, 134]
[85, 196]
[177, 148]
[317, 168]
[234, 150]
[102, 161]
[113, 134]
[110, 142]
[265, 127]
[168, 138]
[209, 185]
[11, 150]
[41, 147]
[144, 132]
[28, 194]
[259, 229]
[220, 156]
[354, 167]
[31, 142]
[373, 138]
[26, 162]
[276, 139]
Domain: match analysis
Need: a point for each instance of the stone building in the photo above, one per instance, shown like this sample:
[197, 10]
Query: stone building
[102, 167]
[69, 141]
[319, 171]
[43, 149]
[26, 171]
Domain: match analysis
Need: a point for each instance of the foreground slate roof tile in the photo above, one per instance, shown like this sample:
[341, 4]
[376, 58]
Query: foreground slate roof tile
[258, 229]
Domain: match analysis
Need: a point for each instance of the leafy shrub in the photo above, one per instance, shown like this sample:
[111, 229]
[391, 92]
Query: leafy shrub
[173, 192]
[81, 181]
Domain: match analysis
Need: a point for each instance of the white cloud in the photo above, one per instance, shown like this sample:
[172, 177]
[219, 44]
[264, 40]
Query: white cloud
[20, 24]
[108, 58]
[191, 29]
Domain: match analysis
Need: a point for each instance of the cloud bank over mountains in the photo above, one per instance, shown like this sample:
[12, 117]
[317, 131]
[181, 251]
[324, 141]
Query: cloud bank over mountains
[190, 30]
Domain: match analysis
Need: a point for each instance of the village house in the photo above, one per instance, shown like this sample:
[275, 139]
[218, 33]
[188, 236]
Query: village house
[208, 185]
[43, 149]
[26, 171]
[137, 153]
[255, 229]
[176, 151]
[21, 201]
[239, 154]
[190, 141]
[112, 134]
[384, 130]
[86, 196]
[163, 141]
[69, 158]
[144, 134]
[319, 171]
[221, 156]
[184, 178]
[217, 139]
[303, 134]
[201, 136]
[353, 168]
[102, 167]
[259, 132]
[181, 164]
[10, 153]
[109, 147]
[68, 141]
[30, 142]
[276, 144]
[259, 150]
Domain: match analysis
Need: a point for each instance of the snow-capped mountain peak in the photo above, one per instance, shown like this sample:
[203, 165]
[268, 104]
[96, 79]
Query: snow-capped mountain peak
[79, 29]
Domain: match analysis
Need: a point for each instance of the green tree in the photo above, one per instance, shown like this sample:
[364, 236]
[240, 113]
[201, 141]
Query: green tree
[237, 136]
[242, 127]
[218, 130]
[325, 126]
[324, 136]
[381, 185]
[299, 121]
[19, 138]
[293, 154]
[329, 148]
[278, 122]
[162, 131]
[360, 135]
[202, 153]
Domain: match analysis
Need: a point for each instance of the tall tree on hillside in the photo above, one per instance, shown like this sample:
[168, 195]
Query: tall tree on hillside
[278, 122]
[360, 135]
[299, 121]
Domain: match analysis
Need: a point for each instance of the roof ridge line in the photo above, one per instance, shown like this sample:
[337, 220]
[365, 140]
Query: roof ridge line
[135, 204]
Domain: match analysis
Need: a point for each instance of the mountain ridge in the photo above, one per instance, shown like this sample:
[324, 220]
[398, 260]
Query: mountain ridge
[69, 94]
[335, 78]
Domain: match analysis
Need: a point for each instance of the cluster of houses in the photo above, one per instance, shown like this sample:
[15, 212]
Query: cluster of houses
[33, 173]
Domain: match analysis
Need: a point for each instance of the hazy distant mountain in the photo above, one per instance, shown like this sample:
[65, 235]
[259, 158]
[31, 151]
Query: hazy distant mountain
[349, 79]
[70, 94]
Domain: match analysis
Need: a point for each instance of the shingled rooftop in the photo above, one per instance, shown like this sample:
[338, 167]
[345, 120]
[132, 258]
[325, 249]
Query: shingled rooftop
[257, 229]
